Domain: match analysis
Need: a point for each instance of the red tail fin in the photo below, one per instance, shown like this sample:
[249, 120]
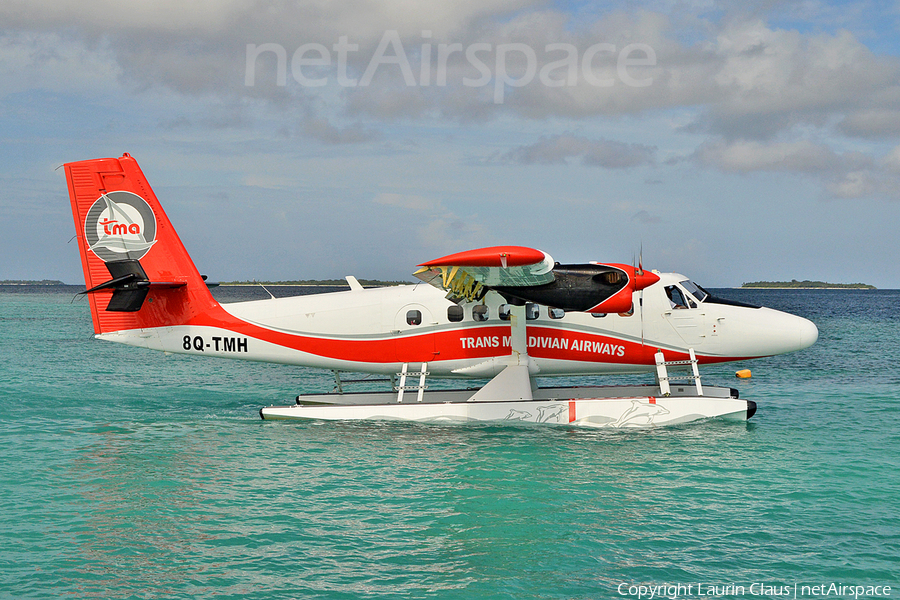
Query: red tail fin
[136, 269]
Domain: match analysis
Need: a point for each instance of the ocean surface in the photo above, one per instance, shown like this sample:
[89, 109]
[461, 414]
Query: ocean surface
[126, 473]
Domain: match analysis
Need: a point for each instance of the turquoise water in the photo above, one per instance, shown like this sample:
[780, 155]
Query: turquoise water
[131, 474]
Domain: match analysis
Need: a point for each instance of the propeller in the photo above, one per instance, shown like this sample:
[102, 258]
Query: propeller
[639, 272]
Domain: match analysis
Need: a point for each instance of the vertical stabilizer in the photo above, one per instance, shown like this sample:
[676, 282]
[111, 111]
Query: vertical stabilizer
[137, 272]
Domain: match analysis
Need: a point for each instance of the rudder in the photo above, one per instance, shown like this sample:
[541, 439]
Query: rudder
[137, 272]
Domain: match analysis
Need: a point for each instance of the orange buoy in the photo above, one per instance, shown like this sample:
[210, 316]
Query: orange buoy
[743, 374]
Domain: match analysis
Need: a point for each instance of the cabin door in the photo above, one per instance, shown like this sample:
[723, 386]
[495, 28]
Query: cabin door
[414, 328]
[685, 317]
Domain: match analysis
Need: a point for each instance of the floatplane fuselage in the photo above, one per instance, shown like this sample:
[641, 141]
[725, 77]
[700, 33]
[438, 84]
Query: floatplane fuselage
[377, 330]
[508, 314]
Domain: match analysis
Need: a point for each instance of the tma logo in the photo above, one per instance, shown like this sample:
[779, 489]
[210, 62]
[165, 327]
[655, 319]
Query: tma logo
[120, 225]
[119, 228]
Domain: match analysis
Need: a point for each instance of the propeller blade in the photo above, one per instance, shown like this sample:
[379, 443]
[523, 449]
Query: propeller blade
[640, 269]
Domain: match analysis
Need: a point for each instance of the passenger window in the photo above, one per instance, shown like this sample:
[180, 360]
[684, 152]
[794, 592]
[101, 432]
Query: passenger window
[556, 313]
[532, 311]
[598, 315]
[480, 312]
[504, 312]
[455, 313]
[414, 317]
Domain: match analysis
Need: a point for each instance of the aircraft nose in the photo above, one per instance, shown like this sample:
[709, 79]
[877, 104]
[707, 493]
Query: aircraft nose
[797, 333]
[809, 333]
[768, 332]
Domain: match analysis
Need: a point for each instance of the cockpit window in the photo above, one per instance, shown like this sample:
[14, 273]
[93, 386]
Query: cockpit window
[695, 290]
[676, 298]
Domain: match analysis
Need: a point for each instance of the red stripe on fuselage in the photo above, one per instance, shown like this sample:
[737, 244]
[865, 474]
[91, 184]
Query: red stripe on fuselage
[454, 343]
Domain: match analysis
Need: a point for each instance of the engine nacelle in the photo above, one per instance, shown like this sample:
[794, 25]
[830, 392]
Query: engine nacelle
[592, 287]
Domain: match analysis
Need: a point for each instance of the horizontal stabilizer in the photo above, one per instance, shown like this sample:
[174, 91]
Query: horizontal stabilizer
[127, 300]
[130, 285]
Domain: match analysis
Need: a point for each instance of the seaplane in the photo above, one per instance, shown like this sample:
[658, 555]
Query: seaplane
[506, 314]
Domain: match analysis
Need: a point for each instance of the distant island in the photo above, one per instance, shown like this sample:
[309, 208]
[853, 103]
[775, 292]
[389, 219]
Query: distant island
[31, 282]
[319, 282]
[808, 285]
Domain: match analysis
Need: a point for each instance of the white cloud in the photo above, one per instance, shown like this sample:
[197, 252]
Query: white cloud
[873, 122]
[891, 161]
[742, 77]
[646, 218]
[321, 129]
[435, 229]
[843, 175]
[407, 201]
[557, 149]
[55, 62]
[881, 179]
[866, 184]
[447, 233]
[112, 16]
[770, 79]
[746, 156]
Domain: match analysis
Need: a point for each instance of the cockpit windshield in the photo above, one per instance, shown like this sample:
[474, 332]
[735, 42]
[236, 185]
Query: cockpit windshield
[695, 290]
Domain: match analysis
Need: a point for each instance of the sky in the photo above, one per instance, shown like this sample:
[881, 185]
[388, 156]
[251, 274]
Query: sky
[728, 141]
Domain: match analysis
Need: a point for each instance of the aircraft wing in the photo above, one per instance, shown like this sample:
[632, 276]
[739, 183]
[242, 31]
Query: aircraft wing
[468, 275]
[529, 275]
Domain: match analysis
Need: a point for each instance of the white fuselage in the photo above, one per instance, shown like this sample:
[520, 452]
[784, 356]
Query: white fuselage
[378, 330]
